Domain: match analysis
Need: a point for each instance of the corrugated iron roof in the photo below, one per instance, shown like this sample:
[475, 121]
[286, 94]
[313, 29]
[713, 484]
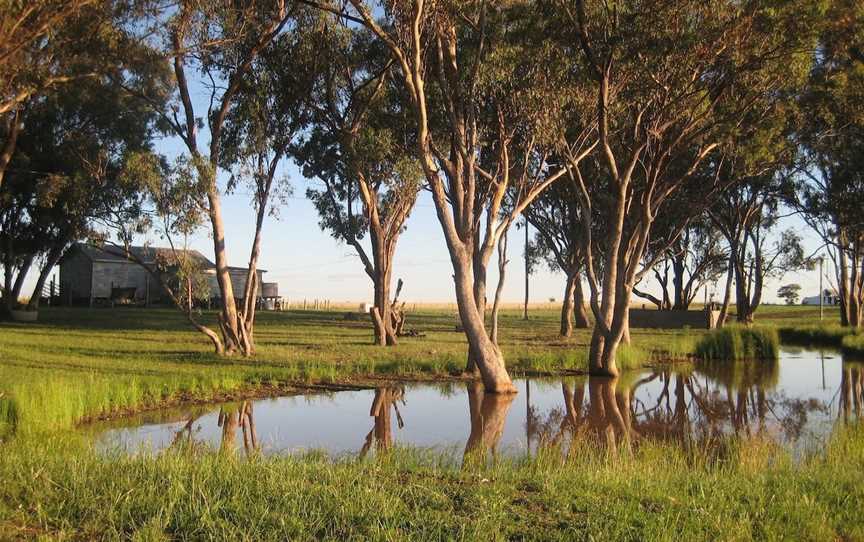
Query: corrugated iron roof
[146, 254]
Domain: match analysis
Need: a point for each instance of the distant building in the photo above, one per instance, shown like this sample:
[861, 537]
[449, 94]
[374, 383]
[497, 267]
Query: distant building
[90, 274]
[829, 297]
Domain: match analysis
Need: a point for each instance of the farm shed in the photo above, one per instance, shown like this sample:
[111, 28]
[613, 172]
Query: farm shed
[90, 274]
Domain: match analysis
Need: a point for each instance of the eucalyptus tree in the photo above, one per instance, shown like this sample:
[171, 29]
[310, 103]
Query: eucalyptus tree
[748, 215]
[162, 199]
[47, 44]
[479, 131]
[217, 43]
[261, 128]
[695, 258]
[831, 136]
[64, 174]
[670, 80]
[556, 215]
[359, 148]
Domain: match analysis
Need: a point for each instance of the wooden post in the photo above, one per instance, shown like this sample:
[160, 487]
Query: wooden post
[147, 291]
[51, 300]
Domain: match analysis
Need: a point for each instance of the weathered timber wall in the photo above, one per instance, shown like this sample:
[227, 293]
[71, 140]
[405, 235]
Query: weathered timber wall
[654, 319]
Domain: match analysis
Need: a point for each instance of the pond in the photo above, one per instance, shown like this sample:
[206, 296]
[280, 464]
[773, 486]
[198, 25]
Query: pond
[796, 401]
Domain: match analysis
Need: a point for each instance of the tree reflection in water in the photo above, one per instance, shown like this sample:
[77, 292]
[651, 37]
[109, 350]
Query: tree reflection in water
[695, 409]
[234, 417]
[851, 391]
[698, 407]
[487, 414]
[381, 434]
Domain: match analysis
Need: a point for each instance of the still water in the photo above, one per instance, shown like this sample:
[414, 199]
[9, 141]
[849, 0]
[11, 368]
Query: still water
[795, 401]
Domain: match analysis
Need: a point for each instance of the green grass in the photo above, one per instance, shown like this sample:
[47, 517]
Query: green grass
[739, 343]
[749, 490]
[79, 363]
[853, 346]
[823, 335]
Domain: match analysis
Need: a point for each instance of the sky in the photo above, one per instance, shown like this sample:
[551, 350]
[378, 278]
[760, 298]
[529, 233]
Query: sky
[308, 263]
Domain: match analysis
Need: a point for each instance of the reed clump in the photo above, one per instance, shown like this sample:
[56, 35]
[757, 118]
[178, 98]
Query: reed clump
[739, 343]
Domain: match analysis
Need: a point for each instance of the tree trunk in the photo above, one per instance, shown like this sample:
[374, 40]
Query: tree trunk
[381, 311]
[228, 310]
[502, 272]
[625, 326]
[744, 314]
[250, 292]
[567, 306]
[381, 273]
[482, 351]
[50, 261]
[727, 295]
[12, 288]
[844, 290]
[8, 150]
[580, 313]
[604, 347]
[527, 276]
[678, 268]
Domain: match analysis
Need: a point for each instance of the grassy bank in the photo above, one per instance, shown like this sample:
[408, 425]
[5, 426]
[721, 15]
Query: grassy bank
[853, 346]
[739, 343]
[822, 335]
[749, 491]
[80, 362]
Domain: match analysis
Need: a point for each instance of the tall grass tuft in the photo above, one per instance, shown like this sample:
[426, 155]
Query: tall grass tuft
[739, 343]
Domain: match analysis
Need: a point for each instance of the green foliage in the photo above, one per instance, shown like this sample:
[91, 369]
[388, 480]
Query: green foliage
[789, 292]
[739, 343]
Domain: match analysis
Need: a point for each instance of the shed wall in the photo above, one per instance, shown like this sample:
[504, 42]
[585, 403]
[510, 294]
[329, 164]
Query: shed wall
[121, 275]
[75, 273]
[678, 319]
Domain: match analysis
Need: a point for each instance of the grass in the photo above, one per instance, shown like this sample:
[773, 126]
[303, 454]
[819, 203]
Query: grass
[824, 335]
[739, 343]
[751, 490]
[80, 363]
[853, 346]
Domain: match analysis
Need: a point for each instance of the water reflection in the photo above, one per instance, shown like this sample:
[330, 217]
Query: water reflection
[851, 385]
[231, 419]
[795, 402]
[487, 413]
[381, 435]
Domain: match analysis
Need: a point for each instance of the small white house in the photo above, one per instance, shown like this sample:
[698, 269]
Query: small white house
[829, 297]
